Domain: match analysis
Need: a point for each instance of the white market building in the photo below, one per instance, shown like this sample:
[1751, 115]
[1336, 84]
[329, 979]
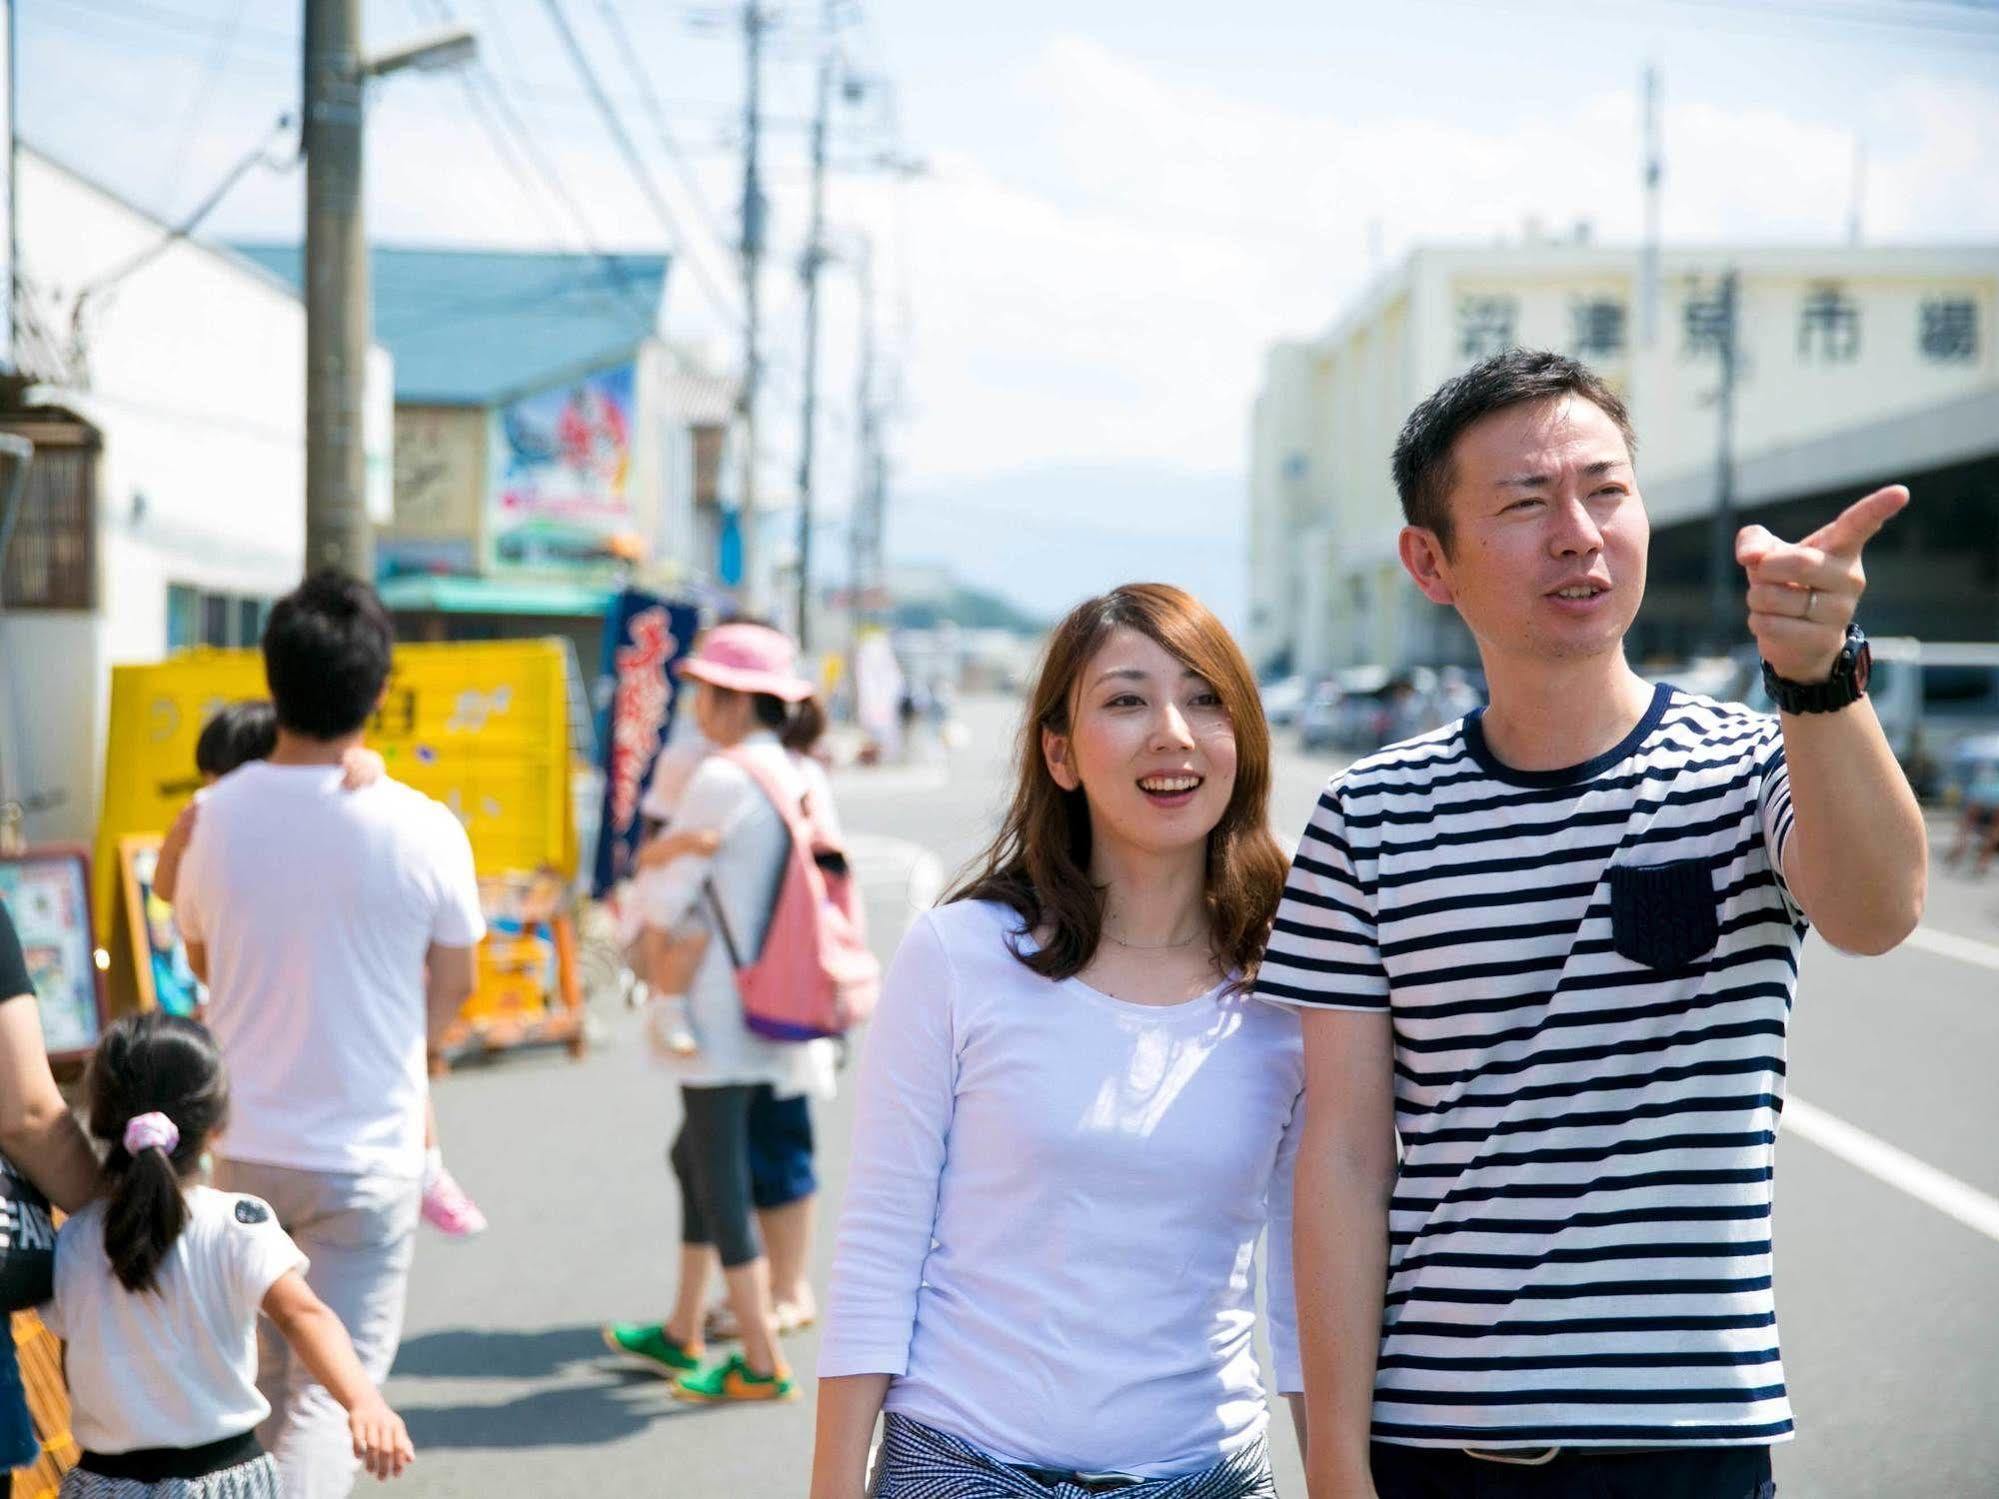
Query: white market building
[1859, 365]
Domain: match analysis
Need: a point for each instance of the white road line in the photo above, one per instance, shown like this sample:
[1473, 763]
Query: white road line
[1948, 945]
[895, 780]
[886, 862]
[1897, 1168]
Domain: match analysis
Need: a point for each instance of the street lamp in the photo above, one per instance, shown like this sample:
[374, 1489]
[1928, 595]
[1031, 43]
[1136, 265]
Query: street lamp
[436, 51]
[337, 332]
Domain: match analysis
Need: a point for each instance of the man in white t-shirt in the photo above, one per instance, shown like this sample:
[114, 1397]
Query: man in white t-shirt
[336, 930]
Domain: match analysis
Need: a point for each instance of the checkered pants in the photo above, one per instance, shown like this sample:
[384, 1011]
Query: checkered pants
[920, 1462]
[256, 1479]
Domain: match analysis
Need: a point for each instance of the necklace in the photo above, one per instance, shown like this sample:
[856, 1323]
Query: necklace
[1154, 946]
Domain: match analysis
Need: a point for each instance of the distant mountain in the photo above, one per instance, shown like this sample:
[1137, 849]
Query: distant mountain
[971, 609]
[1045, 538]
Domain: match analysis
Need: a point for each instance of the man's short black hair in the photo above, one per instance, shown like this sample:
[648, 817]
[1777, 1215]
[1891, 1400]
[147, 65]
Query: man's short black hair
[326, 655]
[236, 735]
[1422, 463]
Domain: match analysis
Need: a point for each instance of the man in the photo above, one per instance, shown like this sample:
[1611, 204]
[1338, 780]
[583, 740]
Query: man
[315, 914]
[1555, 947]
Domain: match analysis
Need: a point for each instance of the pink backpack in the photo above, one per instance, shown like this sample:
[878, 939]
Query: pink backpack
[815, 975]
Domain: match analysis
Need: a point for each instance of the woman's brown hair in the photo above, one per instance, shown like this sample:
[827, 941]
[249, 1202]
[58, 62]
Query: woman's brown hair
[1039, 864]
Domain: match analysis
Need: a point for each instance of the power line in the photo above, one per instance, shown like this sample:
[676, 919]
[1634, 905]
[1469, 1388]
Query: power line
[218, 63]
[508, 153]
[615, 124]
[260, 155]
[180, 23]
[1907, 19]
[529, 146]
[689, 179]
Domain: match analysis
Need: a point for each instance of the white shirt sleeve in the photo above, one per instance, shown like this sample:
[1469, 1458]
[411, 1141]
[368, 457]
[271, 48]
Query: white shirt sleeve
[902, 1119]
[1773, 807]
[51, 1311]
[1279, 1287]
[459, 920]
[260, 1252]
[1324, 948]
[716, 795]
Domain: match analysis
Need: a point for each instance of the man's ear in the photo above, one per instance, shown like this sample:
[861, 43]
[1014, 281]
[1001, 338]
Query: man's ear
[1055, 751]
[1423, 558]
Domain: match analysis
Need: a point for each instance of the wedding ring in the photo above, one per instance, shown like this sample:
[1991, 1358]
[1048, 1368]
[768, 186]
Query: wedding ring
[1811, 601]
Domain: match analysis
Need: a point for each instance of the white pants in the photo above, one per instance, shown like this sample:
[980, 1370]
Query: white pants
[360, 1234]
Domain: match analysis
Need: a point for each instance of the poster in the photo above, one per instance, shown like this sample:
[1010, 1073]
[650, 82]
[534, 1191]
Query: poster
[560, 473]
[482, 726]
[159, 957]
[645, 638]
[46, 892]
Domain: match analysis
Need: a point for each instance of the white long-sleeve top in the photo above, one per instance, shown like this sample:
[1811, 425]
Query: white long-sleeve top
[1053, 1205]
[744, 872]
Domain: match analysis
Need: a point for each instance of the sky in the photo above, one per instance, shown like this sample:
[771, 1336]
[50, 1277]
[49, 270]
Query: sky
[1120, 203]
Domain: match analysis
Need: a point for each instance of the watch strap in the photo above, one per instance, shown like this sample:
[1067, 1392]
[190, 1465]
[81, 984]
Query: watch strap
[1843, 686]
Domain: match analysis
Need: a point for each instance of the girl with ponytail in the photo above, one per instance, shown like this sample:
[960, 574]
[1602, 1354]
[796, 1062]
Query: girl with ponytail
[159, 1283]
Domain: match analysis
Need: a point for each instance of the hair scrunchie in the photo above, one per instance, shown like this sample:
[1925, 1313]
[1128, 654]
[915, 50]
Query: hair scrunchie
[149, 1132]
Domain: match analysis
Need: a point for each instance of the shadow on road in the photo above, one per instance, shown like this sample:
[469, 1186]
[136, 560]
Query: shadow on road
[498, 1353]
[602, 1400]
[573, 1416]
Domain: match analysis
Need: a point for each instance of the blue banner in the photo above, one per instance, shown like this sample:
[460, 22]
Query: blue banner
[645, 637]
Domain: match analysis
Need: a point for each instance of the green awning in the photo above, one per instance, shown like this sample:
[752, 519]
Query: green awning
[445, 595]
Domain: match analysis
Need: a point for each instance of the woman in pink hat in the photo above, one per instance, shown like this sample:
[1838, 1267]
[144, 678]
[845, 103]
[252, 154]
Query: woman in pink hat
[747, 692]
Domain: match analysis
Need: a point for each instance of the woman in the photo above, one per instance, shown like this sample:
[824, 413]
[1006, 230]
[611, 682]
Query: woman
[1073, 1123]
[41, 1140]
[747, 692]
[783, 1181]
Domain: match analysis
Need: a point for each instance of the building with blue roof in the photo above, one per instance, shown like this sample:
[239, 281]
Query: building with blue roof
[549, 443]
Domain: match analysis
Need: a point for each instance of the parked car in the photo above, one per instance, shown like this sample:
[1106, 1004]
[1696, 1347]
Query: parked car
[1318, 719]
[1723, 678]
[1973, 762]
[1361, 708]
[1284, 700]
[1930, 696]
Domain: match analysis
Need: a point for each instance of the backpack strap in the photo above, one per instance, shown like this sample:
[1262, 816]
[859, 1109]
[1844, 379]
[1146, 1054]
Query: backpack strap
[788, 799]
[789, 804]
[722, 921]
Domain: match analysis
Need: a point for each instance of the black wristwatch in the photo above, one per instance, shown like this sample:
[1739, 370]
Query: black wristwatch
[1844, 686]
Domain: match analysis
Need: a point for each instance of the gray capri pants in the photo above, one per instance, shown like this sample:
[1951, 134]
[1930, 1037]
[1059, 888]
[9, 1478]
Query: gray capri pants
[711, 1161]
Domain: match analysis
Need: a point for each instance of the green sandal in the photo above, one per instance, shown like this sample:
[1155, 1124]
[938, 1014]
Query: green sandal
[648, 1343]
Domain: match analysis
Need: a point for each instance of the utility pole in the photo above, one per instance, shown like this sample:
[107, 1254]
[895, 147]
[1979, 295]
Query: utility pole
[336, 293]
[1654, 172]
[751, 591]
[864, 528]
[1856, 209]
[1723, 588]
[815, 256]
[10, 163]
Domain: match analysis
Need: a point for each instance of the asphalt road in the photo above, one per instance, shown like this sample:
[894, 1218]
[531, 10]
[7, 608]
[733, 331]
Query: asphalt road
[1889, 1303]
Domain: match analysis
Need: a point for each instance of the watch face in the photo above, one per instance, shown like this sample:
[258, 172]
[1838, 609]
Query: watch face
[1863, 666]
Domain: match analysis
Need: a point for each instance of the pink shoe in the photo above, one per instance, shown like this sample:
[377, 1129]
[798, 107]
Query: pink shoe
[448, 1209]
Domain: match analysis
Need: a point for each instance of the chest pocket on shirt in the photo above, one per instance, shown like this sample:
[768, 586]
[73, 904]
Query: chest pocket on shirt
[1663, 915]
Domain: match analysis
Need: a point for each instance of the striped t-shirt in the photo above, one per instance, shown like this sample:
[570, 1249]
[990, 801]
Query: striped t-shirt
[1588, 973]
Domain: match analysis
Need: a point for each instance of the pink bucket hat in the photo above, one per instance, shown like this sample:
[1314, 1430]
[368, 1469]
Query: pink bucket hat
[748, 658]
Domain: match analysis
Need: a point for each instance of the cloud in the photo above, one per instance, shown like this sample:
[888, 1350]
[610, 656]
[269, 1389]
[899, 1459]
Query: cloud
[1117, 309]
[1100, 288]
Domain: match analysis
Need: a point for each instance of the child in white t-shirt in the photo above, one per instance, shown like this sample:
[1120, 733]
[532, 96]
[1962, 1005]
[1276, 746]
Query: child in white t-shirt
[158, 1286]
[667, 960]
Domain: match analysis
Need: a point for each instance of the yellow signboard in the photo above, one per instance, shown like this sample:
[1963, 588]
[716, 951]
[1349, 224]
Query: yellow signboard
[481, 726]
